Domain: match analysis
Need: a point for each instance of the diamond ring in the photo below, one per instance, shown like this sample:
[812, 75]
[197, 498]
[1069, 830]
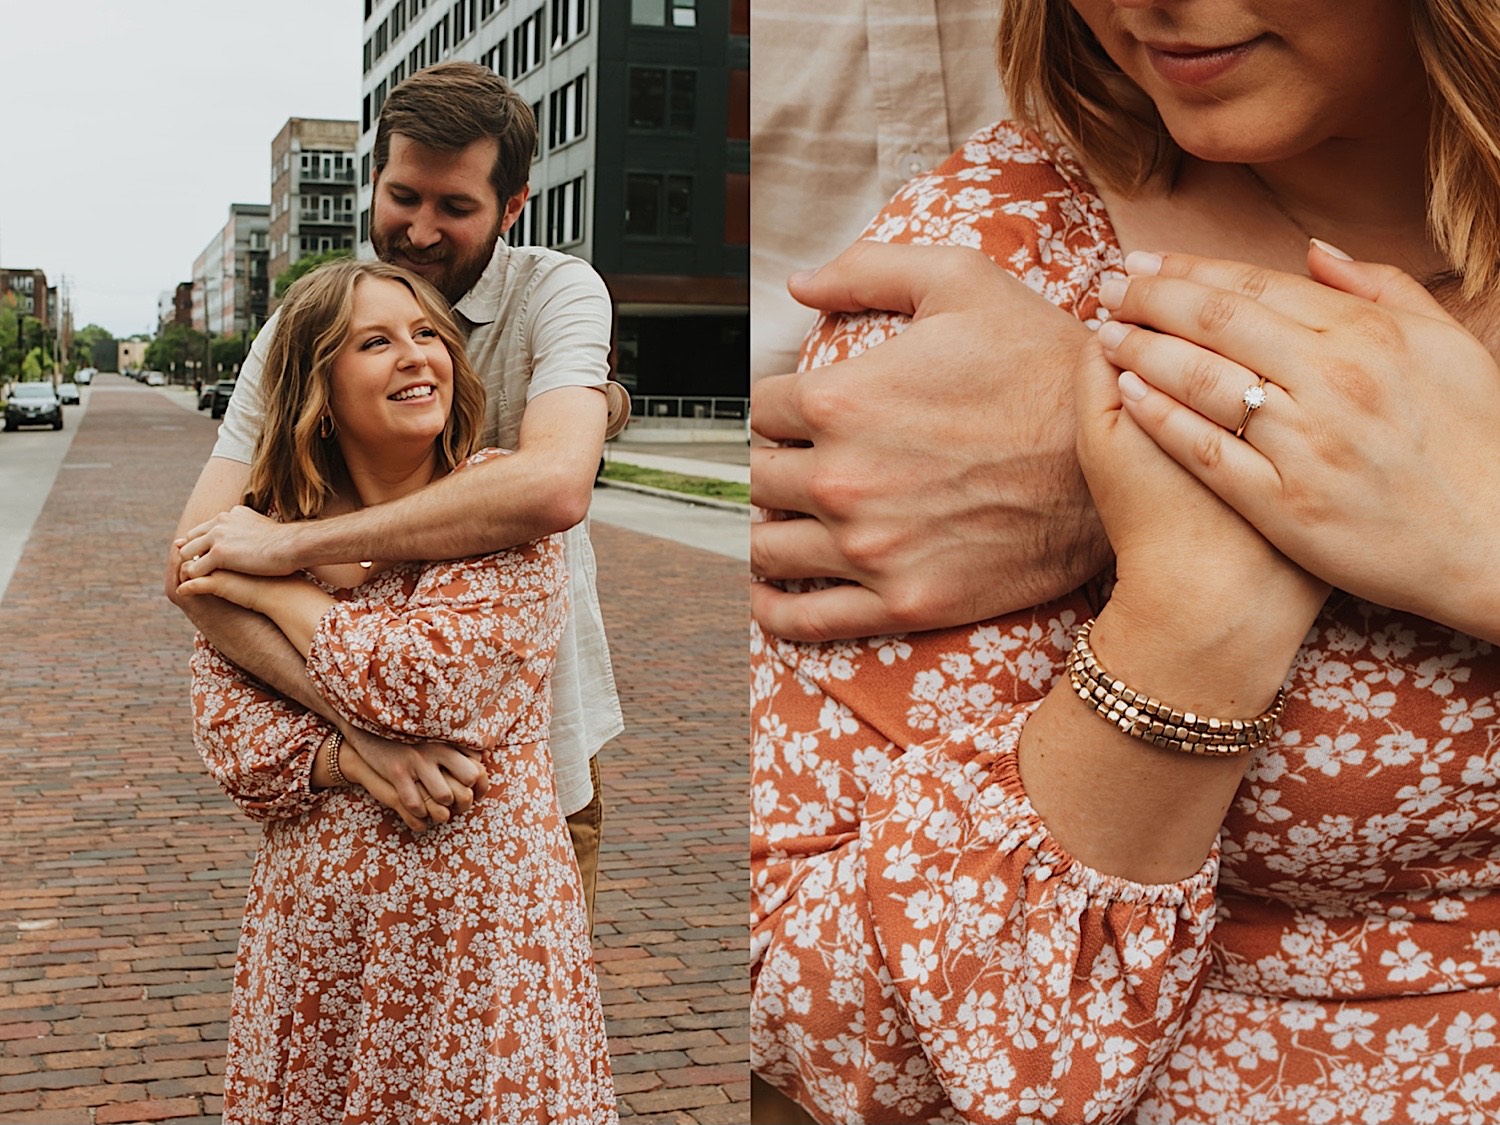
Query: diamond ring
[1253, 398]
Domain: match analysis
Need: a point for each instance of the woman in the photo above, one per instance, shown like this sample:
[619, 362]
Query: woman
[386, 975]
[975, 898]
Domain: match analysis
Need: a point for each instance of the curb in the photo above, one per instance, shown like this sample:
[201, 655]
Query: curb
[680, 497]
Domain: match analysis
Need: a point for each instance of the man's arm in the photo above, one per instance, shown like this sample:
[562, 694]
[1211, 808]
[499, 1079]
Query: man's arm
[544, 487]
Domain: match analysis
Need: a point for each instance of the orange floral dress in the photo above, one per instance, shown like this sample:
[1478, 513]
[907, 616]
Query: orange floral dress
[923, 950]
[390, 979]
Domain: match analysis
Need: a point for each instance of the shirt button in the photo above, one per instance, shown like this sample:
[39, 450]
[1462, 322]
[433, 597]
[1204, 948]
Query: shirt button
[914, 166]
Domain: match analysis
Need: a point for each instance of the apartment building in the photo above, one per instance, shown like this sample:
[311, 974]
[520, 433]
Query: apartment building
[230, 278]
[642, 163]
[33, 296]
[313, 190]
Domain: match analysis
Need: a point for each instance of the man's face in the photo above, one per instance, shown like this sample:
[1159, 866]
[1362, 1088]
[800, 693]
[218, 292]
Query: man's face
[436, 214]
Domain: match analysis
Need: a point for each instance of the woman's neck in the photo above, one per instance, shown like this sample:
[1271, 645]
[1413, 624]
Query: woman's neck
[389, 475]
[1366, 196]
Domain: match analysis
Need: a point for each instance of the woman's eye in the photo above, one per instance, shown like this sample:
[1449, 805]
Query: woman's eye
[427, 333]
[373, 341]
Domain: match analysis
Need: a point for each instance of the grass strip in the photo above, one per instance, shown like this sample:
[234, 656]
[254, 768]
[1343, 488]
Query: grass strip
[678, 482]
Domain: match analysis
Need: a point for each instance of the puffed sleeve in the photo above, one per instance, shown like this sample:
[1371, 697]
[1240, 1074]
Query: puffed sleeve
[923, 949]
[258, 746]
[465, 656]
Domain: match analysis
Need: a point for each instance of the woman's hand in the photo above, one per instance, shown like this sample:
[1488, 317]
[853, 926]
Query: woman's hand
[248, 590]
[1189, 569]
[425, 784]
[1375, 460]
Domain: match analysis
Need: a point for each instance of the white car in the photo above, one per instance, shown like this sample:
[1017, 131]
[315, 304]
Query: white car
[155, 379]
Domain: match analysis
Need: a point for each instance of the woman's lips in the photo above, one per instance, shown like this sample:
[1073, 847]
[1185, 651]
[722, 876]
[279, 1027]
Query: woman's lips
[1187, 66]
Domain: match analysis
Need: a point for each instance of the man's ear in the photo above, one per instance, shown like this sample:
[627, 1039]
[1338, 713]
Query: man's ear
[513, 207]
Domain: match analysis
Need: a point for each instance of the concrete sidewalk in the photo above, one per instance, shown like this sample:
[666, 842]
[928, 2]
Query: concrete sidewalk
[125, 869]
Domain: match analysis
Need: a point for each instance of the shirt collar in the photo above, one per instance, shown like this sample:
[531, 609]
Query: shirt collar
[481, 304]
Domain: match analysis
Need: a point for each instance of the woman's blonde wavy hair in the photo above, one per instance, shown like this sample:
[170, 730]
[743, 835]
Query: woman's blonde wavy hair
[1055, 71]
[295, 470]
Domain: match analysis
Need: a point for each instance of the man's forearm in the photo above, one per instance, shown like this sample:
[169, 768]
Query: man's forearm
[259, 647]
[468, 513]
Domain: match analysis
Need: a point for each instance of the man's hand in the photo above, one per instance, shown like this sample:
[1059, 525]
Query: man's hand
[941, 474]
[240, 539]
[425, 784]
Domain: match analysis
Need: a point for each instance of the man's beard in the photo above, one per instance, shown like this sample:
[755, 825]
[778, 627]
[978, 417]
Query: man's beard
[450, 276]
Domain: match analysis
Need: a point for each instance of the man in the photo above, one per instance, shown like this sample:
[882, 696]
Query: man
[452, 156]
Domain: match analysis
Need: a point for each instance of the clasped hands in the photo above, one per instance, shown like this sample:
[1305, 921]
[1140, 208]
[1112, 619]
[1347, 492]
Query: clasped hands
[939, 468]
[426, 783]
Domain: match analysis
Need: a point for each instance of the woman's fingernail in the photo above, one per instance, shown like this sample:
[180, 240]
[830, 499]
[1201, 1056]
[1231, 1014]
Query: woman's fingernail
[1331, 251]
[1131, 386]
[1112, 293]
[1143, 262]
[801, 277]
[1112, 334]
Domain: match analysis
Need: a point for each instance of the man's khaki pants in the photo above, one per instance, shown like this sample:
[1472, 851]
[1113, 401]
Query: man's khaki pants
[584, 827]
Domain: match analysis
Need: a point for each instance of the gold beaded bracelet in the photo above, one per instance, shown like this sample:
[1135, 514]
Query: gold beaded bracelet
[1152, 721]
[331, 747]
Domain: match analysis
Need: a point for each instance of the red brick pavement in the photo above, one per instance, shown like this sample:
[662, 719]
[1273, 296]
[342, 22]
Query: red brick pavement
[123, 869]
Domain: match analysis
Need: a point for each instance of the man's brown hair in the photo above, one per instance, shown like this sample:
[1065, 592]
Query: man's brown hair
[454, 104]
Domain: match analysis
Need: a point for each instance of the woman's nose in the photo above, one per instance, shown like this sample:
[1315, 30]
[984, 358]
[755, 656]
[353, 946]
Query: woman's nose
[409, 353]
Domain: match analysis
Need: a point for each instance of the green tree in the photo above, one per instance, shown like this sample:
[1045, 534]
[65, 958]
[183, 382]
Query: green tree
[306, 265]
[229, 353]
[173, 349]
[32, 366]
[10, 326]
[89, 344]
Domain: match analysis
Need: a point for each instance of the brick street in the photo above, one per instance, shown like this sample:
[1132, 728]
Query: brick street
[125, 869]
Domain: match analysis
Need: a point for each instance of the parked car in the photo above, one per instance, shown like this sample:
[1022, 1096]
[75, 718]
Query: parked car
[33, 404]
[84, 376]
[223, 389]
[205, 396]
[155, 379]
[69, 394]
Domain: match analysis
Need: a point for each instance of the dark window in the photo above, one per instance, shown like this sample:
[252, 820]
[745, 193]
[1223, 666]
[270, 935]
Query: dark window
[658, 205]
[662, 98]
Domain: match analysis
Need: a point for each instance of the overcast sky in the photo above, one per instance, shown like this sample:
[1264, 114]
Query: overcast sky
[127, 127]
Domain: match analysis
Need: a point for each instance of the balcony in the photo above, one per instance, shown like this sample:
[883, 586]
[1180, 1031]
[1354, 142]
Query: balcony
[324, 176]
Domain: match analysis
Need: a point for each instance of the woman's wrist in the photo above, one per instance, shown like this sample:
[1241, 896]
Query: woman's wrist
[1228, 661]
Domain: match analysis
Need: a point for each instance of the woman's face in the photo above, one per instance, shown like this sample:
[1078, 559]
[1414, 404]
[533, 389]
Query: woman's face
[1263, 80]
[392, 382]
